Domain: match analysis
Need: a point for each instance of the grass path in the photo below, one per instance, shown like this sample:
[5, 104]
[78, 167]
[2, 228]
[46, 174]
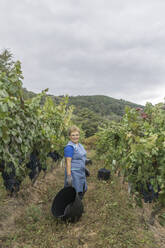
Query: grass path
[111, 219]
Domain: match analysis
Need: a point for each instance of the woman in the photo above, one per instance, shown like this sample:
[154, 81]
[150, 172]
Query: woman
[75, 156]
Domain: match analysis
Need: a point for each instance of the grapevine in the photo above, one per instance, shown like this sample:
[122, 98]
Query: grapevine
[30, 130]
[135, 148]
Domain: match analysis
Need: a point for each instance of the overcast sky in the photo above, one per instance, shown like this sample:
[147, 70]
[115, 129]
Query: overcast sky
[88, 47]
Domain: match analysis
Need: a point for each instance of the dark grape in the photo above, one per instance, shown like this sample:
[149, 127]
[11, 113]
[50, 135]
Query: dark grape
[34, 165]
[88, 162]
[148, 192]
[11, 182]
[54, 155]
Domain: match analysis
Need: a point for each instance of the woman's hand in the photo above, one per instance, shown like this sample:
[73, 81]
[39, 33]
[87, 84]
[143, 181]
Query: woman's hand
[69, 180]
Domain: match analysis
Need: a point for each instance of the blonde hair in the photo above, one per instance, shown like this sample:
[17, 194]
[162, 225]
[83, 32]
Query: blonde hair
[73, 129]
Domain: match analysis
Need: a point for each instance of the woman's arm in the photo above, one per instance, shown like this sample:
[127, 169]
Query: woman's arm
[68, 165]
[68, 171]
[68, 154]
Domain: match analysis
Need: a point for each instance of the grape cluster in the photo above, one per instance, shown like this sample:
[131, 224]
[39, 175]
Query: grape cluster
[34, 165]
[11, 182]
[149, 195]
[54, 155]
[88, 162]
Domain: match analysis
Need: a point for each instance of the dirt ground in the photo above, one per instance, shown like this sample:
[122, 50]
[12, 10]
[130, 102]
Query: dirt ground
[111, 219]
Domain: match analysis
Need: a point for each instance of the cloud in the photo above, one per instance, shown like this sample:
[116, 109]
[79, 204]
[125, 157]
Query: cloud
[91, 47]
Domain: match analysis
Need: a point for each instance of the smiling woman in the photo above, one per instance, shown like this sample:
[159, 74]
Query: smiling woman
[74, 137]
[75, 156]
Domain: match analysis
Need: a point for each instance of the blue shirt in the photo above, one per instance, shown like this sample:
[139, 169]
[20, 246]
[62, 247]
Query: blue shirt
[68, 151]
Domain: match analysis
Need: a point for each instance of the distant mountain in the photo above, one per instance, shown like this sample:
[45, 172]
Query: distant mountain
[104, 106]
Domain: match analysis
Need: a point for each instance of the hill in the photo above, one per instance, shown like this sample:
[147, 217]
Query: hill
[92, 112]
[104, 106]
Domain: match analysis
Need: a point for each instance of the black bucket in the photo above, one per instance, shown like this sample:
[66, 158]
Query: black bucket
[67, 205]
[103, 174]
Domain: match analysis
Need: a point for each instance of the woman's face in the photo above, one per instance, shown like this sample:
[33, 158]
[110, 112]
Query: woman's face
[74, 137]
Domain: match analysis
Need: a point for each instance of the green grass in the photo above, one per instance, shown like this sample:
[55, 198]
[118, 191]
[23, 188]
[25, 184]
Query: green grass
[111, 219]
